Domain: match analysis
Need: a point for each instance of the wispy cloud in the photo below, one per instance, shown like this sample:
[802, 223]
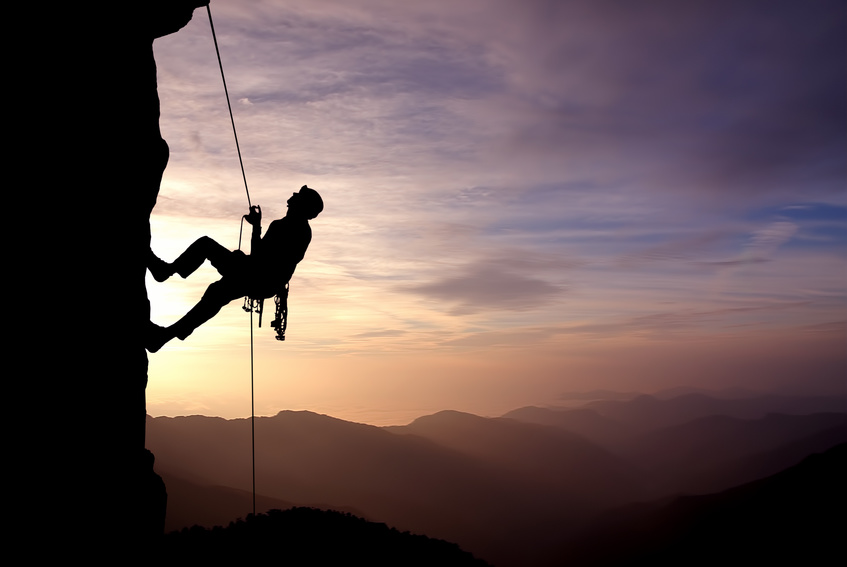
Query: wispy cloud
[485, 286]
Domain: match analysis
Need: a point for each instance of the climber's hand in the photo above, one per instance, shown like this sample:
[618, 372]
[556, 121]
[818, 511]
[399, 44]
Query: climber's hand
[254, 217]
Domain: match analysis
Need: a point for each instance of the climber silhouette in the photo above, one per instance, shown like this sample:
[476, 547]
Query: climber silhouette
[260, 275]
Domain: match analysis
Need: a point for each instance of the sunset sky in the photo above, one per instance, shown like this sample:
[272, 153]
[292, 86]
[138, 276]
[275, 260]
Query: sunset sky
[523, 199]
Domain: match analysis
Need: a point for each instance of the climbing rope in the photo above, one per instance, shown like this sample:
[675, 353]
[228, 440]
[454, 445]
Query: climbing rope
[250, 206]
[229, 105]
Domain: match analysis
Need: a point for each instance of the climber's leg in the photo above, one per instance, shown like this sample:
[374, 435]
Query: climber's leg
[217, 295]
[201, 250]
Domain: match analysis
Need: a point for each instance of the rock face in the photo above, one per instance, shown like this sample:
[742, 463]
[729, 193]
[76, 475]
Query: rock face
[88, 147]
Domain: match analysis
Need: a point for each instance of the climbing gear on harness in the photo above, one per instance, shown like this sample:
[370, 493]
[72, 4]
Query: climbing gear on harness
[280, 322]
[254, 306]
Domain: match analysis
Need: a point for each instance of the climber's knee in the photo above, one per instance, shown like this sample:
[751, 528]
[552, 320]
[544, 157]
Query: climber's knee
[220, 292]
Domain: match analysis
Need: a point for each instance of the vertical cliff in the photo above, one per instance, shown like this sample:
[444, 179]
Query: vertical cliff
[89, 158]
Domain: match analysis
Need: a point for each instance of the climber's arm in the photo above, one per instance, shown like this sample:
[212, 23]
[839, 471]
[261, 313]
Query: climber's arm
[254, 217]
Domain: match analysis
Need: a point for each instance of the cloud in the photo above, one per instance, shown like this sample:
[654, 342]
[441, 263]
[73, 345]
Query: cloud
[764, 242]
[836, 329]
[489, 285]
[728, 101]
[511, 338]
[716, 97]
[667, 324]
[761, 245]
[380, 333]
[675, 249]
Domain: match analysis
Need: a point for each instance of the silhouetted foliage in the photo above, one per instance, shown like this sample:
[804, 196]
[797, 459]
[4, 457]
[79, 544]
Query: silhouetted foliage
[308, 536]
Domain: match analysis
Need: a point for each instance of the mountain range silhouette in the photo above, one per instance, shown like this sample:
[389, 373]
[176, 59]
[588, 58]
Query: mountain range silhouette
[795, 517]
[509, 491]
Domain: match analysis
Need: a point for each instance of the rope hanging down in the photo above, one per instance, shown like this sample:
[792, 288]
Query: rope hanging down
[250, 206]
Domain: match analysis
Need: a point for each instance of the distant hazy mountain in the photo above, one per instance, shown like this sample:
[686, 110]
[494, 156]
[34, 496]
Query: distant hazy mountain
[564, 461]
[666, 394]
[697, 444]
[724, 393]
[761, 464]
[697, 456]
[646, 413]
[592, 395]
[795, 517]
[507, 489]
[407, 481]
[587, 423]
[610, 420]
[192, 504]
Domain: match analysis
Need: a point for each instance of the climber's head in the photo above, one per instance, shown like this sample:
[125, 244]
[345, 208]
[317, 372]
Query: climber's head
[306, 202]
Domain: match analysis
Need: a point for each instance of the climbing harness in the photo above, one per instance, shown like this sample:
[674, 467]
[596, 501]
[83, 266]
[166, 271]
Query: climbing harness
[280, 321]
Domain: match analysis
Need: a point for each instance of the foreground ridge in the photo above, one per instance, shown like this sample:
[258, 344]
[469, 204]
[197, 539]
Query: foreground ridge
[309, 536]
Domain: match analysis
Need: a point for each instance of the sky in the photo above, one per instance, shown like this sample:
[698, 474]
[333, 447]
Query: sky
[522, 199]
